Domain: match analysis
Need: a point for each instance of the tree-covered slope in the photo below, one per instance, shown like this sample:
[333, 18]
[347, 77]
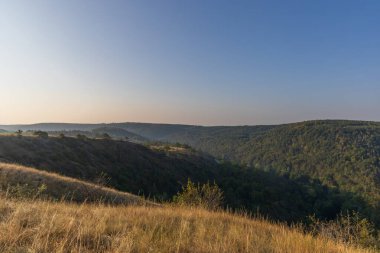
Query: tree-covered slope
[158, 173]
[119, 133]
[342, 154]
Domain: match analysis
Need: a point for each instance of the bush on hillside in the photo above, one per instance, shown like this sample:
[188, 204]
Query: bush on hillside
[81, 137]
[41, 134]
[350, 228]
[208, 196]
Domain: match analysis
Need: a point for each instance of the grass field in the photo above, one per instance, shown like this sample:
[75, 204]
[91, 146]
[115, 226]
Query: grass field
[85, 217]
[38, 226]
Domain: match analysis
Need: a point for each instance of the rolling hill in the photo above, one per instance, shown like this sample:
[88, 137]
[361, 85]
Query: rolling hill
[285, 172]
[160, 173]
[342, 154]
[116, 132]
[26, 182]
[113, 132]
[51, 127]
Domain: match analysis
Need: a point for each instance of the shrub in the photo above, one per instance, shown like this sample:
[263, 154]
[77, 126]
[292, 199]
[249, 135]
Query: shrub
[81, 137]
[208, 196]
[25, 191]
[349, 229]
[41, 134]
[105, 136]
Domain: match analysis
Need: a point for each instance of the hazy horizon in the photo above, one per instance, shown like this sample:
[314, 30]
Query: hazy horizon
[195, 62]
[176, 123]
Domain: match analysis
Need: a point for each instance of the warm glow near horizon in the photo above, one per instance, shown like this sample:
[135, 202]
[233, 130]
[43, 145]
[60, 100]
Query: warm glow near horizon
[188, 62]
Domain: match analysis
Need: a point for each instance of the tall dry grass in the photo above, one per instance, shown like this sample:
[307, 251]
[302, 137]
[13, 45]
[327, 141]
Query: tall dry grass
[38, 226]
[61, 187]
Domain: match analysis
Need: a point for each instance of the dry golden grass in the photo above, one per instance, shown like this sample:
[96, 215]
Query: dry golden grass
[59, 187]
[27, 226]
[43, 226]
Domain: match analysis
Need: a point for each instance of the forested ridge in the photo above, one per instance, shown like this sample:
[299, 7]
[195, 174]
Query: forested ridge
[342, 154]
[159, 174]
[287, 171]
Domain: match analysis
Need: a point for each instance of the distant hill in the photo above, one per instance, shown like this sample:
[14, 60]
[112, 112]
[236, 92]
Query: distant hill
[146, 130]
[156, 131]
[113, 132]
[117, 132]
[25, 181]
[52, 127]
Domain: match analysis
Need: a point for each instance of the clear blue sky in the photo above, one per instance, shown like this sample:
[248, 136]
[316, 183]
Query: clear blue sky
[196, 62]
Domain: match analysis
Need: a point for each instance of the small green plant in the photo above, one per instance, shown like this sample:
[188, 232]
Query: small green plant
[208, 196]
[25, 191]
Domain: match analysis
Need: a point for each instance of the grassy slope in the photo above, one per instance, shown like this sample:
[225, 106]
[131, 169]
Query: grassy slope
[130, 167]
[57, 227]
[59, 187]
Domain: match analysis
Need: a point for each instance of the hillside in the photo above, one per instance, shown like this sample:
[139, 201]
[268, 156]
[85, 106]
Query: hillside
[160, 173]
[113, 132]
[124, 165]
[19, 181]
[52, 127]
[116, 132]
[37, 226]
[342, 154]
